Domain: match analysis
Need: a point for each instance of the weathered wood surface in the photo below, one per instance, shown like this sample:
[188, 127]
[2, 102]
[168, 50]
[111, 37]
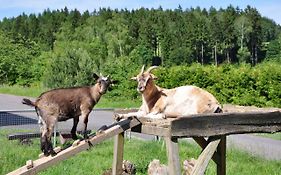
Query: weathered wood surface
[203, 144]
[173, 156]
[226, 123]
[221, 151]
[45, 162]
[118, 154]
[205, 125]
[204, 158]
[247, 119]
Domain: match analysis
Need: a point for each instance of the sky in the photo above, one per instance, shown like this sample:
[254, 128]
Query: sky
[12, 8]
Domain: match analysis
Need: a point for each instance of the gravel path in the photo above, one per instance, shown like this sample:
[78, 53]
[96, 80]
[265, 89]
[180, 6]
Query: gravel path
[260, 146]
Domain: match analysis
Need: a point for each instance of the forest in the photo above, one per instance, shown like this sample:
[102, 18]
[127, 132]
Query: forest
[62, 48]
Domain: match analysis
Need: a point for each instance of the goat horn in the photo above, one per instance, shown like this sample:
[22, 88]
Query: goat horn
[151, 68]
[142, 69]
[101, 75]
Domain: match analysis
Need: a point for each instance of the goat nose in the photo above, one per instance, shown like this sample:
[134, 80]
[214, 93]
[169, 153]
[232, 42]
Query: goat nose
[140, 88]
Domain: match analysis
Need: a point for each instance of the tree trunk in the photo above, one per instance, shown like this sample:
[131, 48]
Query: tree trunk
[256, 55]
[202, 54]
[227, 56]
[216, 59]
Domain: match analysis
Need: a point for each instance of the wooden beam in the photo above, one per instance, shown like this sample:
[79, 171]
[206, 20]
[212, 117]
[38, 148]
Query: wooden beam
[204, 158]
[118, 154]
[45, 162]
[173, 155]
[225, 124]
[203, 144]
[221, 164]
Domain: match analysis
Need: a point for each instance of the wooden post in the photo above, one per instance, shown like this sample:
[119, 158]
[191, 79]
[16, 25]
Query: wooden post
[205, 157]
[203, 143]
[173, 155]
[221, 150]
[118, 154]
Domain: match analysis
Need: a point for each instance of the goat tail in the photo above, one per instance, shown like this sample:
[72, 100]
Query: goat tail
[28, 102]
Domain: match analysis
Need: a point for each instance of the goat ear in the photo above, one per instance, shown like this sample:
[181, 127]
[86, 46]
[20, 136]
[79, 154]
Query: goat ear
[95, 76]
[154, 77]
[113, 82]
[134, 78]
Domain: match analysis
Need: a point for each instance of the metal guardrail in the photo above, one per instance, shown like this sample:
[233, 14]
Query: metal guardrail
[27, 118]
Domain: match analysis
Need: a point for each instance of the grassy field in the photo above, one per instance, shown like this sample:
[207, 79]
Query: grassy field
[99, 158]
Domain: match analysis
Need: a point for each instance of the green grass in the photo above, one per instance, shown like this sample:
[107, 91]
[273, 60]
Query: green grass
[275, 136]
[105, 102]
[21, 91]
[99, 158]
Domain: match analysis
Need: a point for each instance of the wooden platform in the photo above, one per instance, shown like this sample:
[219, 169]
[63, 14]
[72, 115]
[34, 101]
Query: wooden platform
[214, 126]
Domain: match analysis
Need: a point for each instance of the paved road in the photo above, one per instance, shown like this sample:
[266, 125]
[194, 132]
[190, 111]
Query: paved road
[264, 147]
[97, 118]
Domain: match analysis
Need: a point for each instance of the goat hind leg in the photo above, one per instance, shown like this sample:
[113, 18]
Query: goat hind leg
[74, 128]
[44, 140]
[49, 140]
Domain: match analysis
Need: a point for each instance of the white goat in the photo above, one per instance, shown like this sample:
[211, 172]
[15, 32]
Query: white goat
[159, 103]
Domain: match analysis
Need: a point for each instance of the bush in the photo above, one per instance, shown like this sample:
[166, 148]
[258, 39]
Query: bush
[243, 84]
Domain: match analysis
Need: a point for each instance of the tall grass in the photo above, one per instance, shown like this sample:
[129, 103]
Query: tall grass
[99, 158]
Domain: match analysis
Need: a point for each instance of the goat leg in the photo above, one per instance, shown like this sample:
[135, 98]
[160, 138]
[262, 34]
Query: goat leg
[85, 127]
[44, 147]
[74, 128]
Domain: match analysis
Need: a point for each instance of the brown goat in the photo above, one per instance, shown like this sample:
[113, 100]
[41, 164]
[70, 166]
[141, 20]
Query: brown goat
[65, 103]
[159, 103]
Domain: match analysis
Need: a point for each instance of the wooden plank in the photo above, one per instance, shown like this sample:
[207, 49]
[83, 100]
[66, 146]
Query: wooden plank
[204, 158]
[153, 130]
[173, 156]
[221, 150]
[203, 144]
[118, 154]
[45, 162]
[226, 123]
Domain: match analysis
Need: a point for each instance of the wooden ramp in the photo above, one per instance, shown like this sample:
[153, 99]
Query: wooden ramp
[33, 167]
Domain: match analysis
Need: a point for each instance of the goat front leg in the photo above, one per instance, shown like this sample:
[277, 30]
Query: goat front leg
[155, 115]
[138, 114]
[85, 116]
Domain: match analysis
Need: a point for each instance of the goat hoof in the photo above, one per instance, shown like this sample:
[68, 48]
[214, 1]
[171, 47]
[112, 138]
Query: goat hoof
[46, 153]
[53, 153]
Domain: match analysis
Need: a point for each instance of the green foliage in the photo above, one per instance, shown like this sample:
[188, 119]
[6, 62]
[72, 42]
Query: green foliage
[243, 84]
[70, 66]
[16, 59]
[243, 55]
[274, 49]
